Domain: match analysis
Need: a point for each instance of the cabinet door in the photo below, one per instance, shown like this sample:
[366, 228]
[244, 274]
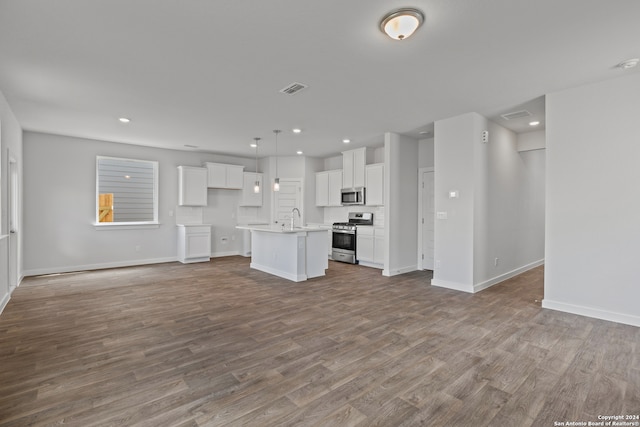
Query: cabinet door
[197, 245]
[217, 175]
[249, 196]
[359, 161]
[364, 247]
[347, 169]
[378, 248]
[335, 187]
[235, 178]
[192, 186]
[322, 189]
[375, 184]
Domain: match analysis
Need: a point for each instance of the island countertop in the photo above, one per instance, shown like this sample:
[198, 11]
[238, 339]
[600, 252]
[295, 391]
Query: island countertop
[278, 228]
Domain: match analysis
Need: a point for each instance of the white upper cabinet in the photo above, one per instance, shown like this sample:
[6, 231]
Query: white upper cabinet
[328, 186]
[374, 177]
[249, 196]
[192, 186]
[353, 163]
[225, 176]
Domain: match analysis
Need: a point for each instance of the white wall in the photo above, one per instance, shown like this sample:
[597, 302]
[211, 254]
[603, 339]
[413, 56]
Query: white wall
[593, 200]
[59, 206]
[531, 140]
[454, 165]
[401, 204]
[495, 227]
[10, 249]
[426, 153]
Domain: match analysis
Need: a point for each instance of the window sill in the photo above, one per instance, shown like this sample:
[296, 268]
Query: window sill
[102, 226]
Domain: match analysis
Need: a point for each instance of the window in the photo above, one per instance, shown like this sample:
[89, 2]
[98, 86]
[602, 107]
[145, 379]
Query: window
[127, 191]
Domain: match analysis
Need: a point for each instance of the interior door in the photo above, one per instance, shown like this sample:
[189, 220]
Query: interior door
[428, 227]
[285, 200]
[13, 186]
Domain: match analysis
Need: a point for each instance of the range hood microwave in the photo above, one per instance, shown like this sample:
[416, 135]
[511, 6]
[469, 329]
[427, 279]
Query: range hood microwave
[353, 196]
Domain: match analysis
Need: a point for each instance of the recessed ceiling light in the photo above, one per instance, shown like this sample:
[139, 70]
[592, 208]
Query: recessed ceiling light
[534, 123]
[629, 63]
[299, 152]
[253, 145]
[296, 130]
[346, 141]
[124, 120]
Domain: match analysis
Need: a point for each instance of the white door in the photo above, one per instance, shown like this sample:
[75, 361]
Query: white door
[285, 200]
[14, 225]
[428, 215]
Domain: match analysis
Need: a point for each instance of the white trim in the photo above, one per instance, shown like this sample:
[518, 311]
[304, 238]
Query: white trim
[596, 313]
[421, 171]
[401, 270]
[371, 264]
[452, 285]
[279, 273]
[223, 254]
[4, 302]
[101, 266]
[494, 281]
[102, 226]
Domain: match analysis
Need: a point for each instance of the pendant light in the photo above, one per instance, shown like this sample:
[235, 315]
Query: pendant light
[276, 182]
[256, 187]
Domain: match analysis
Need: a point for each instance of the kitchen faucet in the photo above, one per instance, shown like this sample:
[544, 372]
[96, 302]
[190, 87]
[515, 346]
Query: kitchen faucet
[292, 217]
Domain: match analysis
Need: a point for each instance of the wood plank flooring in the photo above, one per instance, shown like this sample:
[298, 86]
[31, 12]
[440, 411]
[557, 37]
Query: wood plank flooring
[219, 344]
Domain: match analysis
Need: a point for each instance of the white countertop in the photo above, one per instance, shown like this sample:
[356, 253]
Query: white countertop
[277, 228]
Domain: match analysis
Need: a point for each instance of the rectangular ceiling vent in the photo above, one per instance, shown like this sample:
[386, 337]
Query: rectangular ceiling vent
[293, 88]
[516, 115]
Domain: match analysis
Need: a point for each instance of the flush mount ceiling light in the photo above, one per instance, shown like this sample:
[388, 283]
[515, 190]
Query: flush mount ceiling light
[534, 123]
[629, 63]
[401, 23]
[124, 120]
[346, 140]
[296, 130]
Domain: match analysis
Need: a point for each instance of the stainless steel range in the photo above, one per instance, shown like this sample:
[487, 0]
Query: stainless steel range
[343, 247]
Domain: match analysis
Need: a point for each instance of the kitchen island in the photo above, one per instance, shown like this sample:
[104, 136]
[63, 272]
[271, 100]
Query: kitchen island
[295, 254]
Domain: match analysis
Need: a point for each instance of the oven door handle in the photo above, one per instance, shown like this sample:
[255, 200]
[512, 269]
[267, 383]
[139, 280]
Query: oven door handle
[344, 231]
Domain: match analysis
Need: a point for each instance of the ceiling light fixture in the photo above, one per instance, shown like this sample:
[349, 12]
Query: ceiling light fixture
[276, 182]
[256, 187]
[296, 130]
[629, 63]
[401, 23]
[299, 152]
[346, 141]
[124, 120]
[534, 123]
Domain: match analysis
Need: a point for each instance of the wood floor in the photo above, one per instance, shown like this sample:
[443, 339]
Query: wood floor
[219, 344]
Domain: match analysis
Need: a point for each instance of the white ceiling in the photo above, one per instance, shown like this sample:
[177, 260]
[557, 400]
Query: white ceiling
[208, 73]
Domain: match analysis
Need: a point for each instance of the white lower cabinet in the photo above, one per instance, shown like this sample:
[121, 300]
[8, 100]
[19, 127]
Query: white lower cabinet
[370, 246]
[194, 243]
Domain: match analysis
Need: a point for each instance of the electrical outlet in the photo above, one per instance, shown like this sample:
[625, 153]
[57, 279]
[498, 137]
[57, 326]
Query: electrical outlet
[224, 240]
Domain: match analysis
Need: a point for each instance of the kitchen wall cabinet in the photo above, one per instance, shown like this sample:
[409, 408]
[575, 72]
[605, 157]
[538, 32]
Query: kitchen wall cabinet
[353, 163]
[192, 186]
[374, 183]
[194, 243]
[328, 186]
[250, 197]
[225, 176]
[370, 246]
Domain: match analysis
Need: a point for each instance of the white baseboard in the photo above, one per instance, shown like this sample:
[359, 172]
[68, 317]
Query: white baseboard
[371, 264]
[279, 273]
[593, 312]
[221, 254]
[452, 285]
[401, 270]
[100, 266]
[501, 278]
[4, 302]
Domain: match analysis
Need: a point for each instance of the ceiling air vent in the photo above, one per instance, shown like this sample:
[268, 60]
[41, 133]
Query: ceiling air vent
[293, 88]
[516, 115]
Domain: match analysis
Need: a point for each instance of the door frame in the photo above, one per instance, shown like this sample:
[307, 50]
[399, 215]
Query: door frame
[299, 181]
[421, 171]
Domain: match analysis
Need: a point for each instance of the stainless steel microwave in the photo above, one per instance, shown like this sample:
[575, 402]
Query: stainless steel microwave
[353, 196]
